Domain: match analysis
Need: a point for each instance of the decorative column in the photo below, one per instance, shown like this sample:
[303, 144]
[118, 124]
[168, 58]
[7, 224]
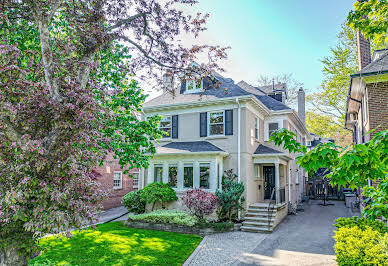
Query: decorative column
[277, 192]
[165, 173]
[196, 174]
[150, 174]
[180, 176]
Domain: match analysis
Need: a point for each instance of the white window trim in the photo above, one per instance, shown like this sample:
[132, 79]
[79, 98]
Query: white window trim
[279, 121]
[208, 123]
[195, 86]
[168, 173]
[170, 118]
[257, 128]
[308, 143]
[138, 180]
[121, 179]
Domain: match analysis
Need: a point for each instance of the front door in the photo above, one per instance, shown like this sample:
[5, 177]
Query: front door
[269, 181]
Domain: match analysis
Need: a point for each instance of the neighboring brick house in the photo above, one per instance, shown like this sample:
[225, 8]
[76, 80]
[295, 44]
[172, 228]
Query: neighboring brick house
[215, 128]
[112, 178]
[367, 103]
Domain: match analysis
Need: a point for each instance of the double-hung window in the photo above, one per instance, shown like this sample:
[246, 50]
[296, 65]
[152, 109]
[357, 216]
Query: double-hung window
[135, 180]
[117, 180]
[173, 175]
[272, 127]
[194, 85]
[188, 175]
[204, 174]
[165, 126]
[158, 173]
[256, 128]
[216, 123]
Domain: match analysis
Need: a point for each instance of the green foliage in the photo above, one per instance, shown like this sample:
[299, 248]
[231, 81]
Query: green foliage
[371, 17]
[217, 226]
[230, 199]
[166, 216]
[361, 223]
[352, 166]
[360, 242]
[134, 202]
[158, 192]
[115, 244]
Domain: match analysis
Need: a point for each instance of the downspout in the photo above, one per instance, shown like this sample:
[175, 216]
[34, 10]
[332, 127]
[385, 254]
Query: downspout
[238, 147]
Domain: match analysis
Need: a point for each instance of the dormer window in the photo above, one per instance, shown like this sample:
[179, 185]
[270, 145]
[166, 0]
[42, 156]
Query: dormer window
[193, 86]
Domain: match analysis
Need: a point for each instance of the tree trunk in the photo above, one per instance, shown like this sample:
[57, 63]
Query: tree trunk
[10, 256]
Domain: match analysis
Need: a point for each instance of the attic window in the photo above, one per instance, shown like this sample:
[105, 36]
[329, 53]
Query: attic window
[193, 86]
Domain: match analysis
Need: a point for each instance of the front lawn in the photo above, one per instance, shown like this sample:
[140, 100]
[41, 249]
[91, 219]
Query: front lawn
[115, 244]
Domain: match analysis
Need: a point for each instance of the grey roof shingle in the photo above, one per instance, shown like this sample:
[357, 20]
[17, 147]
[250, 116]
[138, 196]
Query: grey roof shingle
[262, 149]
[187, 147]
[226, 89]
[380, 65]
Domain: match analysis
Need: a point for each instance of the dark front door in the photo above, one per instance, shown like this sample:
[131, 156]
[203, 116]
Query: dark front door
[269, 181]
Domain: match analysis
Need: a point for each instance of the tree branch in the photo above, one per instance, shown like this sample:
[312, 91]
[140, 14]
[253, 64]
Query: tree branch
[126, 21]
[54, 9]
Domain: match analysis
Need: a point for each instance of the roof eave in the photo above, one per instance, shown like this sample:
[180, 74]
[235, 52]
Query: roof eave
[220, 153]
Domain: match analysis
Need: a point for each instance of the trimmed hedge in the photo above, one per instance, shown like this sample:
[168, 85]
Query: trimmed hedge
[360, 242]
[158, 192]
[134, 202]
[166, 216]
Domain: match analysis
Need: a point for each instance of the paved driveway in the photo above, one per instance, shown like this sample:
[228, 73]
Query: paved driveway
[302, 239]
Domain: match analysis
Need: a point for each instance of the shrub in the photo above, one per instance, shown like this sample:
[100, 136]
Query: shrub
[158, 192]
[223, 226]
[362, 223]
[134, 202]
[166, 216]
[200, 202]
[230, 198]
[356, 246]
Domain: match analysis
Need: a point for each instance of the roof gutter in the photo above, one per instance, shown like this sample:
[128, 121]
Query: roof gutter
[221, 153]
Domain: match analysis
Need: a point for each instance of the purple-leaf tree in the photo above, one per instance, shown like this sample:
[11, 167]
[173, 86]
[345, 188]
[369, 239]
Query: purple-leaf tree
[200, 202]
[55, 124]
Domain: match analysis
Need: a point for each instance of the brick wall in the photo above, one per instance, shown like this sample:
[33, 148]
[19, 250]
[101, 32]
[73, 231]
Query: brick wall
[106, 179]
[378, 106]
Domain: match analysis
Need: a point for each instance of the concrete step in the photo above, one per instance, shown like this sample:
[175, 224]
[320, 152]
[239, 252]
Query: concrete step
[259, 219]
[260, 207]
[257, 223]
[255, 229]
[260, 213]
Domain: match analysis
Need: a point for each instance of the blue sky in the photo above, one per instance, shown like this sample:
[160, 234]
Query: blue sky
[272, 37]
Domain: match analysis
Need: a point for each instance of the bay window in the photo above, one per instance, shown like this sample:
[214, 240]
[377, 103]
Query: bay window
[204, 175]
[173, 175]
[158, 173]
[188, 175]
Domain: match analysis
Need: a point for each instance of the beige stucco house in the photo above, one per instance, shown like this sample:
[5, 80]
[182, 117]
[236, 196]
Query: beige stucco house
[216, 128]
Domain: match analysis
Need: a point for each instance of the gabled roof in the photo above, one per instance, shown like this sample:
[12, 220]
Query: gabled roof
[378, 66]
[262, 149]
[187, 147]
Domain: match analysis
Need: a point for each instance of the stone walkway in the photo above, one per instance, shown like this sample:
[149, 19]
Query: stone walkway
[302, 239]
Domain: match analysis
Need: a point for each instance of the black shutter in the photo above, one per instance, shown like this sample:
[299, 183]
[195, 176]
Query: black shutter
[183, 86]
[203, 124]
[174, 127]
[228, 122]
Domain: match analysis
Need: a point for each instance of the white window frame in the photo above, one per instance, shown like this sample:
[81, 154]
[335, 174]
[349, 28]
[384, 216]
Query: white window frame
[135, 184]
[274, 122]
[115, 179]
[257, 131]
[195, 89]
[364, 107]
[308, 143]
[187, 164]
[201, 164]
[168, 173]
[208, 123]
[167, 118]
[154, 177]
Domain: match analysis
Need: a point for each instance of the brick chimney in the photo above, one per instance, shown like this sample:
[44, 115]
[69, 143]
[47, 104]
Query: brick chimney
[363, 49]
[168, 81]
[302, 105]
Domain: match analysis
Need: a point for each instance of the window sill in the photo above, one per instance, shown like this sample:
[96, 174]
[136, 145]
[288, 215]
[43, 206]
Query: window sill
[217, 137]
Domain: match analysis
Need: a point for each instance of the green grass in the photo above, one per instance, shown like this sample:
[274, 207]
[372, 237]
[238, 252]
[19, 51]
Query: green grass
[115, 244]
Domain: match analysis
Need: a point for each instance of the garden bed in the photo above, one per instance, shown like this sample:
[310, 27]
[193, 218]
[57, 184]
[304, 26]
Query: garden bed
[203, 229]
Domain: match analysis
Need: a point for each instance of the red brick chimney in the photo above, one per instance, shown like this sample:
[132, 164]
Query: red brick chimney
[363, 49]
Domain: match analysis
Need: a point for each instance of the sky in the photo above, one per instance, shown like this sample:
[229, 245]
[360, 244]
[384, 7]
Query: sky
[271, 37]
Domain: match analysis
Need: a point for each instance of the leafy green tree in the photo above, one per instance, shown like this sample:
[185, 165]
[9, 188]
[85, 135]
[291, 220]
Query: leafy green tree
[158, 192]
[230, 198]
[371, 17]
[352, 166]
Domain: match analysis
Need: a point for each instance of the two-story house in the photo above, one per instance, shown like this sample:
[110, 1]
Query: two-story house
[215, 128]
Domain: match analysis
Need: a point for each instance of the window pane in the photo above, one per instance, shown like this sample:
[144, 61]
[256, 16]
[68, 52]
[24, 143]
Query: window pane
[188, 176]
[198, 84]
[135, 179]
[165, 126]
[216, 117]
[158, 173]
[204, 174]
[273, 126]
[173, 176]
[217, 129]
[166, 132]
[190, 85]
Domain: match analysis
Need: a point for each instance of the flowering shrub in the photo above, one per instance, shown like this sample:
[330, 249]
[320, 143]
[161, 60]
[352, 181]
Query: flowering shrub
[134, 202]
[200, 202]
[158, 192]
[166, 216]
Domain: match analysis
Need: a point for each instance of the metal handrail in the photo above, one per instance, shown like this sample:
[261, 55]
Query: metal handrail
[269, 208]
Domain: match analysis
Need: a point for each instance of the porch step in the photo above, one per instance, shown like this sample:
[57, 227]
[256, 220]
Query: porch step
[255, 229]
[259, 219]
